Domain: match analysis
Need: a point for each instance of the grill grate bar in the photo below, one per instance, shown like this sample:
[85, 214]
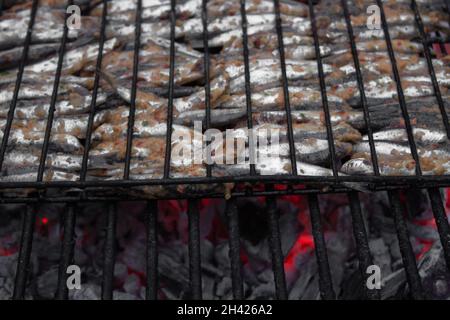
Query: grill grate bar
[427, 54]
[195, 271]
[401, 95]
[171, 84]
[67, 253]
[151, 292]
[109, 253]
[23, 60]
[131, 115]
[206, 61]
[26, 243]
[287, 104]
[382, 182]
[362, 92]
[235, 249]
[275, 250]
[323, 90]
[409, 261]
[441, 221]
[51, 111]
[248, 93]
[362, 244]
[92, 107]
[325, 281]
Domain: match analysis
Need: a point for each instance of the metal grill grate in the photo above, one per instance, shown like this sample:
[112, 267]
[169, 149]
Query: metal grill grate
[336, 182]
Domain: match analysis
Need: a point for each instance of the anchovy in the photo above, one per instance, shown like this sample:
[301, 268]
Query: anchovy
[157, 29]
[300, 98]
[217, 8]
[195, 101]
[17, 161]
[398, 149]
[266, 77]
[269, 40]
[75, 126]
[219, 117]
[424, 136]
[362, 166]
[25, 139]
[150, 11]
[74, 59]
[38, 108]
[397, 165]
[341, 132]
[142, 129]
[49, 175]
[48, 27]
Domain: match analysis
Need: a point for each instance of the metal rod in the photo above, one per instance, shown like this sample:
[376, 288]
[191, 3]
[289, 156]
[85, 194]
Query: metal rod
[195, 271]
[26, 243]
[171, 85]
[248, 92]
[23, 60]
[92, 107]
[323, 90]
[152, 251]
[287, 104]
[131, 115]
[401, 95]
[409, 260]
[362, 243]
[51, 111]
[109, 253]
[362, 92]
[206, 62]
[379, 182]
[427, 54]
[325, 280]
[67, 252]
[442, 224]
[275, 250]
[84, 197]
[235, 249]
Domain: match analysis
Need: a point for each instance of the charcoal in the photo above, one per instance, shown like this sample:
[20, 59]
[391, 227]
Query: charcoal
[265, 291]
[381, 256]
[393, 285]
[46, 283]
[223, 287]
[8, 265]
[120, 272]
[207, 251]
[423, 232]
[434, 273]
[221, 255]
[87, 292]
[132, 285]
[119, 295]
[208, 285]
[173, 271]
[211, 269]
[307, 269]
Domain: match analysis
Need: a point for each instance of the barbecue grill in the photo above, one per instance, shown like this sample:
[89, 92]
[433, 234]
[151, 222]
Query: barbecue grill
[84, 190]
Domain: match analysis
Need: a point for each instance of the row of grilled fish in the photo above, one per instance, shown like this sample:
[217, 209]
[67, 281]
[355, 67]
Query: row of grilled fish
[229, 95]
